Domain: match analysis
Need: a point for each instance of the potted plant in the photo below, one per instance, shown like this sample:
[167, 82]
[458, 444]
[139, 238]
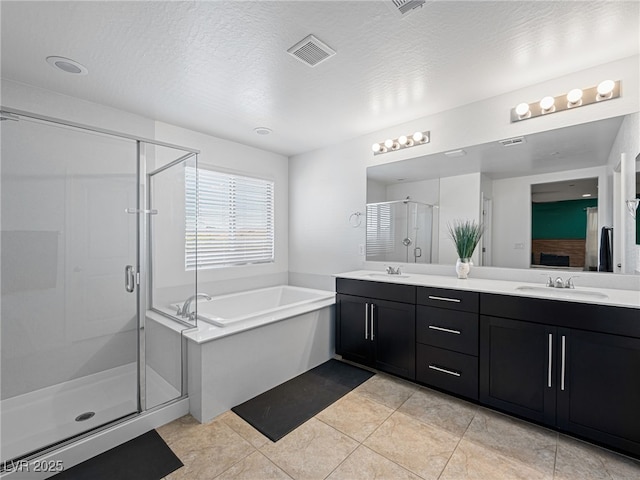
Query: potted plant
[465, 235]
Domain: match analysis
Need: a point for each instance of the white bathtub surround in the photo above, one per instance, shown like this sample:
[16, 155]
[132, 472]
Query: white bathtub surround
[231, 364]
[266, 303]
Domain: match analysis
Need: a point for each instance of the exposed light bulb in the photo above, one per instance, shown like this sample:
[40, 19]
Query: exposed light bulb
[574, 97]
[418, 136]
[388, 143]
[402, 140]
[376, 147]
[522, 109]
[546, 104]
[605, 88]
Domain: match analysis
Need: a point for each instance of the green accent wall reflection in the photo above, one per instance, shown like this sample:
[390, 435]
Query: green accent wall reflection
[561, 220]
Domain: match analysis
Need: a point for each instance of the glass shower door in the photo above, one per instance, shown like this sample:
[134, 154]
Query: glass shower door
[69, 326]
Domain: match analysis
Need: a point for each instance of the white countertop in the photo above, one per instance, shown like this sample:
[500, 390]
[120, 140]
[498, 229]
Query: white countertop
[614, 297]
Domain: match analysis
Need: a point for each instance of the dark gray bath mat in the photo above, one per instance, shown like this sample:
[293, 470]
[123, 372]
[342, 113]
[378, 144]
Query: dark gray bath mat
[146, 457]
[280, 410]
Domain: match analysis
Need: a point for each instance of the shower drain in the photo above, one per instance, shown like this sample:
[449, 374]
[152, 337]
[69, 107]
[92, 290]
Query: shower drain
[85, 416]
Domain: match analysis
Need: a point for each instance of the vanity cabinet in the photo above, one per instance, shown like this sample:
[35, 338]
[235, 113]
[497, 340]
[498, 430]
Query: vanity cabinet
[447, 340]
[376, 325]
[568, 365]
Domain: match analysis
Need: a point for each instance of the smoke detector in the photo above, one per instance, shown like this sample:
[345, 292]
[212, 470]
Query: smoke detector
[404, 7]
[311, 51]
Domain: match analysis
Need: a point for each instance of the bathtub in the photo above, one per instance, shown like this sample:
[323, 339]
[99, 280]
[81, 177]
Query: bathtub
[247, 343]
[269, 303]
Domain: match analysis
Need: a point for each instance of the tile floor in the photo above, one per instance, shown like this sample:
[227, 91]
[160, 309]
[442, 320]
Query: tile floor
[390, 429]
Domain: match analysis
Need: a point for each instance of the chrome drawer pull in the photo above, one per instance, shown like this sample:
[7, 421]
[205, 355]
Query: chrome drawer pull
[444, 370]
[445, 299]
[442, 329]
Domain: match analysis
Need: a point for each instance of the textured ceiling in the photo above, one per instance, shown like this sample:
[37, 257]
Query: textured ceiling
[221, 67]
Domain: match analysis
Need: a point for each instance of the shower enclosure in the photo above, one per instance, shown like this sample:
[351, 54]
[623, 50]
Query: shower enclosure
[78, 352]
[400, 231]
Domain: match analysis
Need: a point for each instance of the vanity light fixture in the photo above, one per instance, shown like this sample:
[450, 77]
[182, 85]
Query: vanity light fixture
[577, 97]
[403, 141]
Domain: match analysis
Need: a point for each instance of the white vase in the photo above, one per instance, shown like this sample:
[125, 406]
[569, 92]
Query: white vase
[463, 265]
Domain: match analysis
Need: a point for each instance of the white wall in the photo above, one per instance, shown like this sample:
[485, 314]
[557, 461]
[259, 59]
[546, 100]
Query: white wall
[173, 282]
[627, 142]
[330, 183]
[459, 201]
[50, 335]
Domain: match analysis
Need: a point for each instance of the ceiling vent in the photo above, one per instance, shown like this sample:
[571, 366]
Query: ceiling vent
[509, 142]
[404, 7]
[311, 51]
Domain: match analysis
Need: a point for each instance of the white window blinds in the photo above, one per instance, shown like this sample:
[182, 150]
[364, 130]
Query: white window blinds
[229, 218]
[379, 229]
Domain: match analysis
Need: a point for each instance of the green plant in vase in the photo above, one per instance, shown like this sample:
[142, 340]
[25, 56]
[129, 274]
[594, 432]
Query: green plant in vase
[466, 236]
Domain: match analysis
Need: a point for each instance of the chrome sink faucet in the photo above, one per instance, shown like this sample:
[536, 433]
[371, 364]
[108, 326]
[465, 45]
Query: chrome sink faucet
[393, 271]
[559, 283]
[184, 311]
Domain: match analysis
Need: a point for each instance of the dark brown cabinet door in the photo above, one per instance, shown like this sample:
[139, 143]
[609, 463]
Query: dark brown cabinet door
[517, 361]
[599, 387]
[394, 330]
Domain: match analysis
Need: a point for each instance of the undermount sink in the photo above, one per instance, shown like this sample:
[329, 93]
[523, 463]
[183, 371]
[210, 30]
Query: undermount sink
[385, 275]
[563, 292]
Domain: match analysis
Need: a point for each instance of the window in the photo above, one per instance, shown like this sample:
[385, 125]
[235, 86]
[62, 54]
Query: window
[379, 229]
[230, 219]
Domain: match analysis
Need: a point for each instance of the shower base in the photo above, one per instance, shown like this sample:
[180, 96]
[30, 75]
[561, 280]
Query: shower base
[34, 420]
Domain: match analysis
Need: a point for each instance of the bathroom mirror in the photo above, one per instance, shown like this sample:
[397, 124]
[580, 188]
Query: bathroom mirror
[492, 183]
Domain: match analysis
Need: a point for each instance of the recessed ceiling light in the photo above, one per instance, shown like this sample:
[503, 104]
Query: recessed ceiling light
[67, 65]
[262, 130]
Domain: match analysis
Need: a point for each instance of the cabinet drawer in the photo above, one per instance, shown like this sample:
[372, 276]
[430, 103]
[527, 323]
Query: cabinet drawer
[451, 371]
[450, 299]
[448, 329]
[384, 291]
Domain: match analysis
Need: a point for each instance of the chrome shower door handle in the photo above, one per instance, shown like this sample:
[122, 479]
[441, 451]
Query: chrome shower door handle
[129, 279]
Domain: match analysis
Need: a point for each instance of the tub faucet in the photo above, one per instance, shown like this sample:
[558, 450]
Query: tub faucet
[184, 311]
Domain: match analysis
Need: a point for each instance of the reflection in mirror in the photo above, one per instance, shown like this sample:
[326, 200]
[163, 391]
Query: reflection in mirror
[399, 231]
[564, 225]
[637, 210]
[492, 183]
